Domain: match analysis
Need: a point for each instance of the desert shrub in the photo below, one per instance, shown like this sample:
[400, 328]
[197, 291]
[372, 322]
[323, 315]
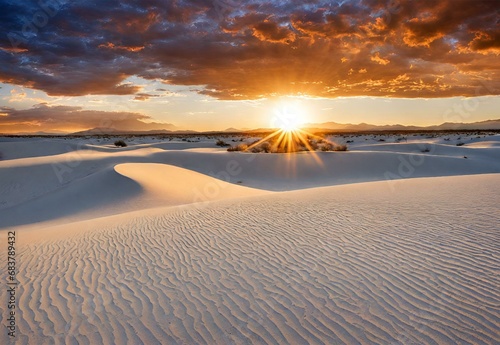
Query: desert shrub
[221, 143]
[340, 148]
[327, 147]
[313, 144]
[460, 144]
[240, 147]
[332, 147]
[120, 143]
[266, 147]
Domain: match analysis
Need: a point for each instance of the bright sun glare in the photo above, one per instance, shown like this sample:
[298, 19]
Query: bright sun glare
[289, 136]
[289, 120]
[290, 124]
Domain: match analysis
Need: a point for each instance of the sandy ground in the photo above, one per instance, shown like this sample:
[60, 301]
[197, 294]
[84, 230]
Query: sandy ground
[172, 242]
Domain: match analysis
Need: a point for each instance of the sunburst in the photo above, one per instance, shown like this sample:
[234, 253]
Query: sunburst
[289, 139]
[289, 136]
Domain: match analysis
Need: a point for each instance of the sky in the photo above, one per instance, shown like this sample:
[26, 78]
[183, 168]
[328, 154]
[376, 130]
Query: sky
[214, 64]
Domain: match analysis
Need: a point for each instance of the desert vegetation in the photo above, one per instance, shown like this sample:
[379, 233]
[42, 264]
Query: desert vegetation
[120, 143]
[239, 147]
[221, 143]
[292, 143]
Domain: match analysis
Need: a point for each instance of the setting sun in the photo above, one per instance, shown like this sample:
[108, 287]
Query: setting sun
[289, 136]
[289, 126]
[289, 117]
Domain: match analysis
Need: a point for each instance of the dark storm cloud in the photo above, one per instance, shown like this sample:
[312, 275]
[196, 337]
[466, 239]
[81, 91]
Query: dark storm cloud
[251, 49]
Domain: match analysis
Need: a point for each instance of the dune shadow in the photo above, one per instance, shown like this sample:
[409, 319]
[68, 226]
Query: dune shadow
[101, 193]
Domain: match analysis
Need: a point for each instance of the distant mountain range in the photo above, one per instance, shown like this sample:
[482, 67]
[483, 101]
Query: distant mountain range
[482, 125]
[134, 127]
[334, 126]
[311, 127]
[233, 130]
[40, 133]
[114, 131]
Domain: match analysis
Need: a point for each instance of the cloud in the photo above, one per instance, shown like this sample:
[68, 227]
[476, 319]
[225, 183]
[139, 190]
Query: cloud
[112, 46]
[256, 48]
[271, 32]
[43, 117]
[17, 96]
[376, 58]
[144, 96]
[486, 42]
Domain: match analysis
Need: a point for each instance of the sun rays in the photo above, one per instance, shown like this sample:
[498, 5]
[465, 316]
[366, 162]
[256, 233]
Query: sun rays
[288, 141]
[290, 137]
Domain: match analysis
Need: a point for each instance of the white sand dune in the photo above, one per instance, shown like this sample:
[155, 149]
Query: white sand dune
[484, 144]
[184, 243]
[15, 148]
[353, 264]
[124, 188]
[84, 185]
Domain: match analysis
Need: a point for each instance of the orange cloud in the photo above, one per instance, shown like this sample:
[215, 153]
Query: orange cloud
[43, 117]
[486, 42]
[262, 48]
[271, 32]
[376, 58]
[110, 45]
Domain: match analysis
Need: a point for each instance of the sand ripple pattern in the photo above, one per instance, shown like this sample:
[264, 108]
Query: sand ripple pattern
[321, 267]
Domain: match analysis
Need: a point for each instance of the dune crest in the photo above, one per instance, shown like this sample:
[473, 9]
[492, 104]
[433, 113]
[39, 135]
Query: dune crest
[124, 188]
[178, 186]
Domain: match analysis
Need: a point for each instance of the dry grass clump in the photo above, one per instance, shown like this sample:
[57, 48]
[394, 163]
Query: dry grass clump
[340, 148]
[239, 147]
[271, 145]
[221, 143]
[120, 143]
[327, 147]
[332, 147]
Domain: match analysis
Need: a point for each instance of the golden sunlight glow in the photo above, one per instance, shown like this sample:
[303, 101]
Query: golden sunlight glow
[288, 116]
[289, 126]
[289, 121]
[288, 137]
